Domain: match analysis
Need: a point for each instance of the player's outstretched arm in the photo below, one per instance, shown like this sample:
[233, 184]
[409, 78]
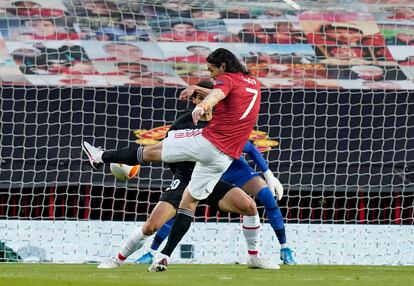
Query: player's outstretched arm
[273, 183]
[189, 91]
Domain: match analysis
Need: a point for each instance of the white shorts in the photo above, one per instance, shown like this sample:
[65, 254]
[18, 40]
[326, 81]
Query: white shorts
[211, 163]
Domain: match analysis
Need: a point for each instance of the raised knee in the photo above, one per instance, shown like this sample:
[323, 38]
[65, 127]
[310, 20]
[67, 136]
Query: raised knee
[251, 208]
[152, 153]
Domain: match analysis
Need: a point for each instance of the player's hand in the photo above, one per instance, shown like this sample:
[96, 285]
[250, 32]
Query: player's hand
[197, 113]
[186, 93]
[274, 184]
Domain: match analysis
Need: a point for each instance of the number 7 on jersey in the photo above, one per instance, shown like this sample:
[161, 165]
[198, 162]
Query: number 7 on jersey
[255, 92]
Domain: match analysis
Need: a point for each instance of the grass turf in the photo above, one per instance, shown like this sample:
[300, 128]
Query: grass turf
[18, 274]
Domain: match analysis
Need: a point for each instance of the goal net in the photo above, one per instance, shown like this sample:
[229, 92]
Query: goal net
[336, 122]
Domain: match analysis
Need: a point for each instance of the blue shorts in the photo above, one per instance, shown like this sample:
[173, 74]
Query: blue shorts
[239, 173]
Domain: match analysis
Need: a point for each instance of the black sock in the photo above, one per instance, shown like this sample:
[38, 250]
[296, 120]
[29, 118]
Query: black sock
[130, 156]
[179, 229]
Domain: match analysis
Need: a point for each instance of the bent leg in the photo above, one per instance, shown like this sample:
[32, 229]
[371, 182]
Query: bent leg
[162, 212]
[257, 187]
[237, 201]
[182, 222]
[134, 154]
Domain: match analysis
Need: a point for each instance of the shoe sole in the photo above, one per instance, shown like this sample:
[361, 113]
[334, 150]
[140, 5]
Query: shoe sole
[157, 268]
[161, 268]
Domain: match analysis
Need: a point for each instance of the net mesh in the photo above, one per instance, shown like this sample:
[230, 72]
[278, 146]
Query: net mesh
[335, 122]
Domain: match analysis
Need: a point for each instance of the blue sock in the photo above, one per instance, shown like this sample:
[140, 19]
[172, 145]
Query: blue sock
[273, 213]
[162, 234]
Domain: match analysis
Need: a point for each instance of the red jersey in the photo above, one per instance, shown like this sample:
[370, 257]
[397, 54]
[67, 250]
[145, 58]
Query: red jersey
[235, 115]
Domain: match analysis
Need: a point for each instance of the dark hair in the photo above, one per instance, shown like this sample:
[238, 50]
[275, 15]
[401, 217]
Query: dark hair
[231, 62]
[204, 83]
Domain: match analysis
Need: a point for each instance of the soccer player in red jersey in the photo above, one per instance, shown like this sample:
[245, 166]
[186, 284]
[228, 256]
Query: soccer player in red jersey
[236, 100]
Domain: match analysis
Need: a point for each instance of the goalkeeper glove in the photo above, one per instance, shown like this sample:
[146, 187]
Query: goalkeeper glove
[274, 184]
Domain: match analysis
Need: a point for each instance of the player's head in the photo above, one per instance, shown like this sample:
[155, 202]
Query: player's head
[197, 97]
[221, 61]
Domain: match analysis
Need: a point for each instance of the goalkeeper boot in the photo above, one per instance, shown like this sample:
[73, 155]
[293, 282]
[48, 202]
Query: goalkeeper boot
[286, 255]
[94, 155]
[110, 264]
[159, 264]
[145, 259]
[256, 262]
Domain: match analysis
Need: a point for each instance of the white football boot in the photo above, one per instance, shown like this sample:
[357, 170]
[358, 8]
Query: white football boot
[94, 155]
[256, 262]
[109, 264]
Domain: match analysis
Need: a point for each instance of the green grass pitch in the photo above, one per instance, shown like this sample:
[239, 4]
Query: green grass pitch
[17, 274]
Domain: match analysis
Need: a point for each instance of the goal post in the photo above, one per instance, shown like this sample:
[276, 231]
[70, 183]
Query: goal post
[336, 123]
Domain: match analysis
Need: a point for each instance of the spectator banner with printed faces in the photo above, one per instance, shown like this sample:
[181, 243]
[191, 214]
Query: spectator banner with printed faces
[166, 42]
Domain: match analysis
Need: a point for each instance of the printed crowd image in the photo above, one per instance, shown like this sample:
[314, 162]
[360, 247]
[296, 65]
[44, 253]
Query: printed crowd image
[340, 39]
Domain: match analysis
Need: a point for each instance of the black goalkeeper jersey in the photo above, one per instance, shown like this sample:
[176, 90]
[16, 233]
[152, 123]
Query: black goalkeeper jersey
[183, 170]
